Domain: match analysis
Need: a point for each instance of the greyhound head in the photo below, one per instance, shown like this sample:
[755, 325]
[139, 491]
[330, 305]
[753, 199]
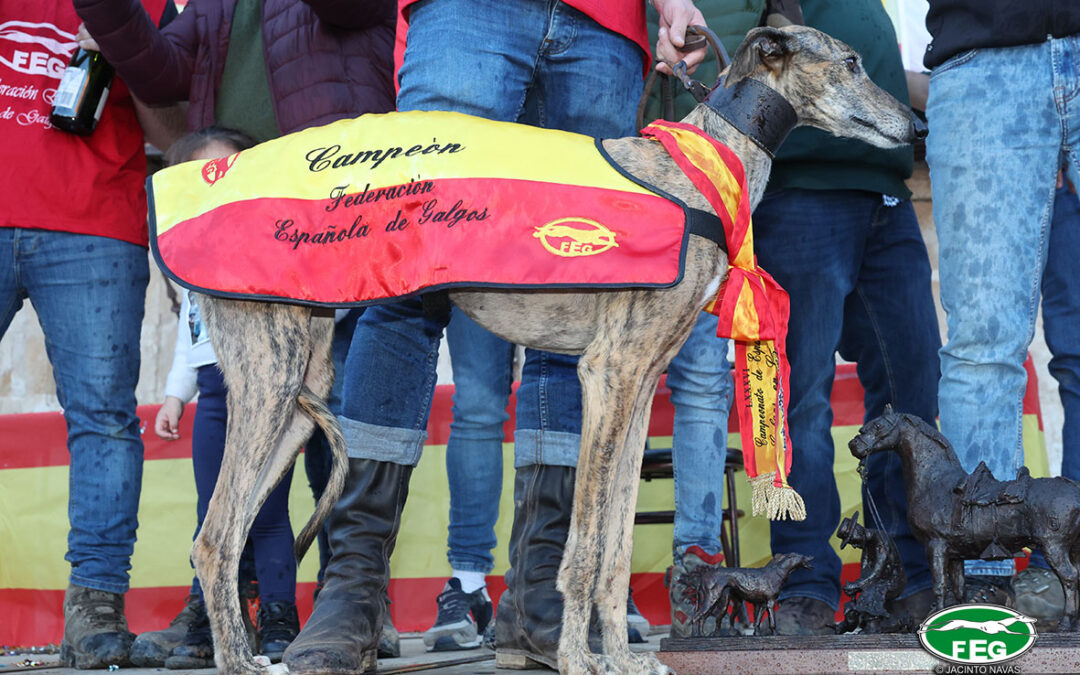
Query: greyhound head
[825, 82]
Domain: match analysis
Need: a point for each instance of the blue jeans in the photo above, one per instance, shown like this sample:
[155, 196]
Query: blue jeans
[1061, 321]
[271, 533]
[993, 165]
[701, 390]
[858, 275]
[536, 61]
[1061, 327]
[482, 365]
[89, 293]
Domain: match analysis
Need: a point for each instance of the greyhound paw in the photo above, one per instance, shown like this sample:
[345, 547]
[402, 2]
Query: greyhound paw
[587, 664]
[266, 668]
[628, 663]
[640, 663]
[245, 666]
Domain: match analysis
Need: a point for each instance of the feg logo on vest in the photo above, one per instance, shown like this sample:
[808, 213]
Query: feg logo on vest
[977, 634]
[573, 237]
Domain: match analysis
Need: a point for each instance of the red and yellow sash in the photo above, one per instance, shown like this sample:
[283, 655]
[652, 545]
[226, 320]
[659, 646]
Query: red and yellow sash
[753, 310]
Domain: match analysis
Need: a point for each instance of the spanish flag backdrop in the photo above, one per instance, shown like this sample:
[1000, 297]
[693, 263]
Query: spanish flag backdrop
[33, 519]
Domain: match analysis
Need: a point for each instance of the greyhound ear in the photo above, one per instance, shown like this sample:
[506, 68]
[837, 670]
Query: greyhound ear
[765, 46]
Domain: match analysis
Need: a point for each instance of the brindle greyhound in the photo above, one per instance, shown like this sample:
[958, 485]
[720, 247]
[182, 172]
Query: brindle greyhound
[625, 338]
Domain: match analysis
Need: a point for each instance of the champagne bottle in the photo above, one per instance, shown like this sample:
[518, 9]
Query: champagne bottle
[82, 93]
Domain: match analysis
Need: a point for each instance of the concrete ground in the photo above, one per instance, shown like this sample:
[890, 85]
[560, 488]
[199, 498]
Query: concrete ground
[414, 659]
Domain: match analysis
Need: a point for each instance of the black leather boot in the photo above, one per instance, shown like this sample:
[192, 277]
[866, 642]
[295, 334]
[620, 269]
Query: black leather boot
[343, 633]
[529, 619]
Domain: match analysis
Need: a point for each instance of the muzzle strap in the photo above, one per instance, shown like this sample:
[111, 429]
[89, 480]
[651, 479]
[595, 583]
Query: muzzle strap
[756, 110]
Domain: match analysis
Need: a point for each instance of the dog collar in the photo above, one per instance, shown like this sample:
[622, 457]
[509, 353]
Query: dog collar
[756, 110]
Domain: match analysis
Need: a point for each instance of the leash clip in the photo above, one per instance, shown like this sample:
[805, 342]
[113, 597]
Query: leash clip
[698, 90]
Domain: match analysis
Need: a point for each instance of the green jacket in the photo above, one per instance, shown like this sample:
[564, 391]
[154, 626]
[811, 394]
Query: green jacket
[809, 158]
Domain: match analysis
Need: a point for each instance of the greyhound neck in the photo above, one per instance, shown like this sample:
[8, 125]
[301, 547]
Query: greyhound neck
[756, 110]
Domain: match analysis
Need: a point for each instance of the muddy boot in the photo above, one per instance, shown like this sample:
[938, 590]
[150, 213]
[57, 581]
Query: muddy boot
[151, 649]
[804, 616]
[96, 634]
[528, 621]
[343, 633]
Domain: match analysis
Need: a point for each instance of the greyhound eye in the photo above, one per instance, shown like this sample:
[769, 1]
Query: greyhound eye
[852, 63]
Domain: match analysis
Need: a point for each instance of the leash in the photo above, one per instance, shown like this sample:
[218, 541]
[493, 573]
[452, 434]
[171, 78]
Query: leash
[755, 109]
[697, 37]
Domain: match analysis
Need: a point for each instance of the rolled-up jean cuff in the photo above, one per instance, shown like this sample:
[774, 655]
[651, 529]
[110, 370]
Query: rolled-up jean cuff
[992, 568]
[98, 585]
[461, 565]
[385, 444]
[545, 448]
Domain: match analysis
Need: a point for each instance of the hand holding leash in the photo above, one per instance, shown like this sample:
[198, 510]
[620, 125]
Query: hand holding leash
[672, 44]
[696, 37]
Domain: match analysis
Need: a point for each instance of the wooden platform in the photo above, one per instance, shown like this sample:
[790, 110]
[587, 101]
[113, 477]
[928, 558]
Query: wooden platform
[864, 654]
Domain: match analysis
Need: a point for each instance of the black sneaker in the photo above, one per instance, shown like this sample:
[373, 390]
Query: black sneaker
[389, 641]
[196, 650]
[988, 589]
[150, 649]
[278, 626]
[461, 620]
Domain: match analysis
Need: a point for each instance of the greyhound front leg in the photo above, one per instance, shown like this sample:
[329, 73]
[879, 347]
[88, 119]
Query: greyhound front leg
[596, 568]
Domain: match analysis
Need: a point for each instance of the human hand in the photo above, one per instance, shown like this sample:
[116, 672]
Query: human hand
[1063, 180]
[167, 422]
[85, 41]
[675, 16]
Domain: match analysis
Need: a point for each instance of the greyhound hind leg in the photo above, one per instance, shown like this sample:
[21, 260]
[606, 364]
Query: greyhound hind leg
[262, 426]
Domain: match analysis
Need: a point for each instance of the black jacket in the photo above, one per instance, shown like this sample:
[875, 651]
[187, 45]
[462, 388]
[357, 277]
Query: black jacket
[960, 25]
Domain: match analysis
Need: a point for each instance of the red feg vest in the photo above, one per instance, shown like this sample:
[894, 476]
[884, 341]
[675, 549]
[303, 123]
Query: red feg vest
[51, 179]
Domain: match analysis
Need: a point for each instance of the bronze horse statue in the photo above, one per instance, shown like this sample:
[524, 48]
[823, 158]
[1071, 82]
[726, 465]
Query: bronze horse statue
[712, 590]
[959, 516]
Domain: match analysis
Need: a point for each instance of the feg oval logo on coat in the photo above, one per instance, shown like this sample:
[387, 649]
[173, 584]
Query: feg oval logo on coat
[573, 237]
[977, 634]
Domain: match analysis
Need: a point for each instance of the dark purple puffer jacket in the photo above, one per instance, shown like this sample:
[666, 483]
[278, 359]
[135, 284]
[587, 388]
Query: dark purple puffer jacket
[326, 59]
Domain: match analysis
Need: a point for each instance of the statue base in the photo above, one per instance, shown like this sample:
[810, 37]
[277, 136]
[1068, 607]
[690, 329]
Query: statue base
[851, 653]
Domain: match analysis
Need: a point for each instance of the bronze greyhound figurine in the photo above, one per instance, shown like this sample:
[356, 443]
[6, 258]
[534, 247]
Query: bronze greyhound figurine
[625, 338]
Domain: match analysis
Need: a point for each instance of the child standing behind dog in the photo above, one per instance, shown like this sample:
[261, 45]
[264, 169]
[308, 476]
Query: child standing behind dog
[195, 368]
